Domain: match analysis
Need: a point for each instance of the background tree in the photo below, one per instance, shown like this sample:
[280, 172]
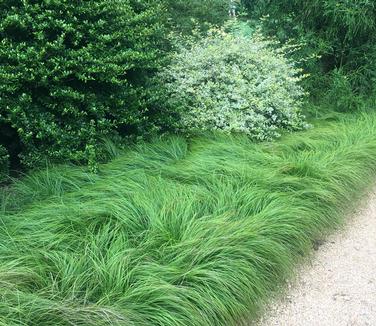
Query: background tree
[186, 14]
[342, 32]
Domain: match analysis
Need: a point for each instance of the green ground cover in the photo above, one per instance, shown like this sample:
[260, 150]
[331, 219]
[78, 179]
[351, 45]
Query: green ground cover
[178, 231]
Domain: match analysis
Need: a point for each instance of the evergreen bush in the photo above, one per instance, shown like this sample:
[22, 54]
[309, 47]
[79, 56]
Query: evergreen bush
[73, 71]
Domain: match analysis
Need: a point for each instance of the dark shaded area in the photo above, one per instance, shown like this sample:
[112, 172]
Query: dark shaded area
[10, 140]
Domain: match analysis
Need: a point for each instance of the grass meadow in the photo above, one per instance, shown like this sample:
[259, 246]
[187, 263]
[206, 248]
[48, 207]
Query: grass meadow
[177, 231]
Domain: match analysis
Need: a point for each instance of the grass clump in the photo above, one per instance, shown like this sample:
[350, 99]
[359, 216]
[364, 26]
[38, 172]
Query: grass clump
[178, 232]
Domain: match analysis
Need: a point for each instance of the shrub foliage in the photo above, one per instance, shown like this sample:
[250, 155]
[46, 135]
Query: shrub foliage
[71, 71]
[235, 84]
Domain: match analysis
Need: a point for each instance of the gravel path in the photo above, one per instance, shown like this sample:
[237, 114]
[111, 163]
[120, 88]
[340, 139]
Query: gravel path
[338, 288]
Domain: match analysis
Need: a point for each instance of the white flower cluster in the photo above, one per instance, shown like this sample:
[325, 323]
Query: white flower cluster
[236, 84]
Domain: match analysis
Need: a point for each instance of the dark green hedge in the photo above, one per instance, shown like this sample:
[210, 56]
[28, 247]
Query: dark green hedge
[73, 71]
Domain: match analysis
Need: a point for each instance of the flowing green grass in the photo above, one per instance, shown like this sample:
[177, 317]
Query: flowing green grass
[176, 232]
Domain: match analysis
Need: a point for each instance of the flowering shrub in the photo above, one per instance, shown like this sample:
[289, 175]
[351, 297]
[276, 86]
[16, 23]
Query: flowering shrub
[235, 84]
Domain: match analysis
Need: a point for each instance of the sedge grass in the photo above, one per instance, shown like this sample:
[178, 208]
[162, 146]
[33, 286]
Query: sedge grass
[176, 232]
